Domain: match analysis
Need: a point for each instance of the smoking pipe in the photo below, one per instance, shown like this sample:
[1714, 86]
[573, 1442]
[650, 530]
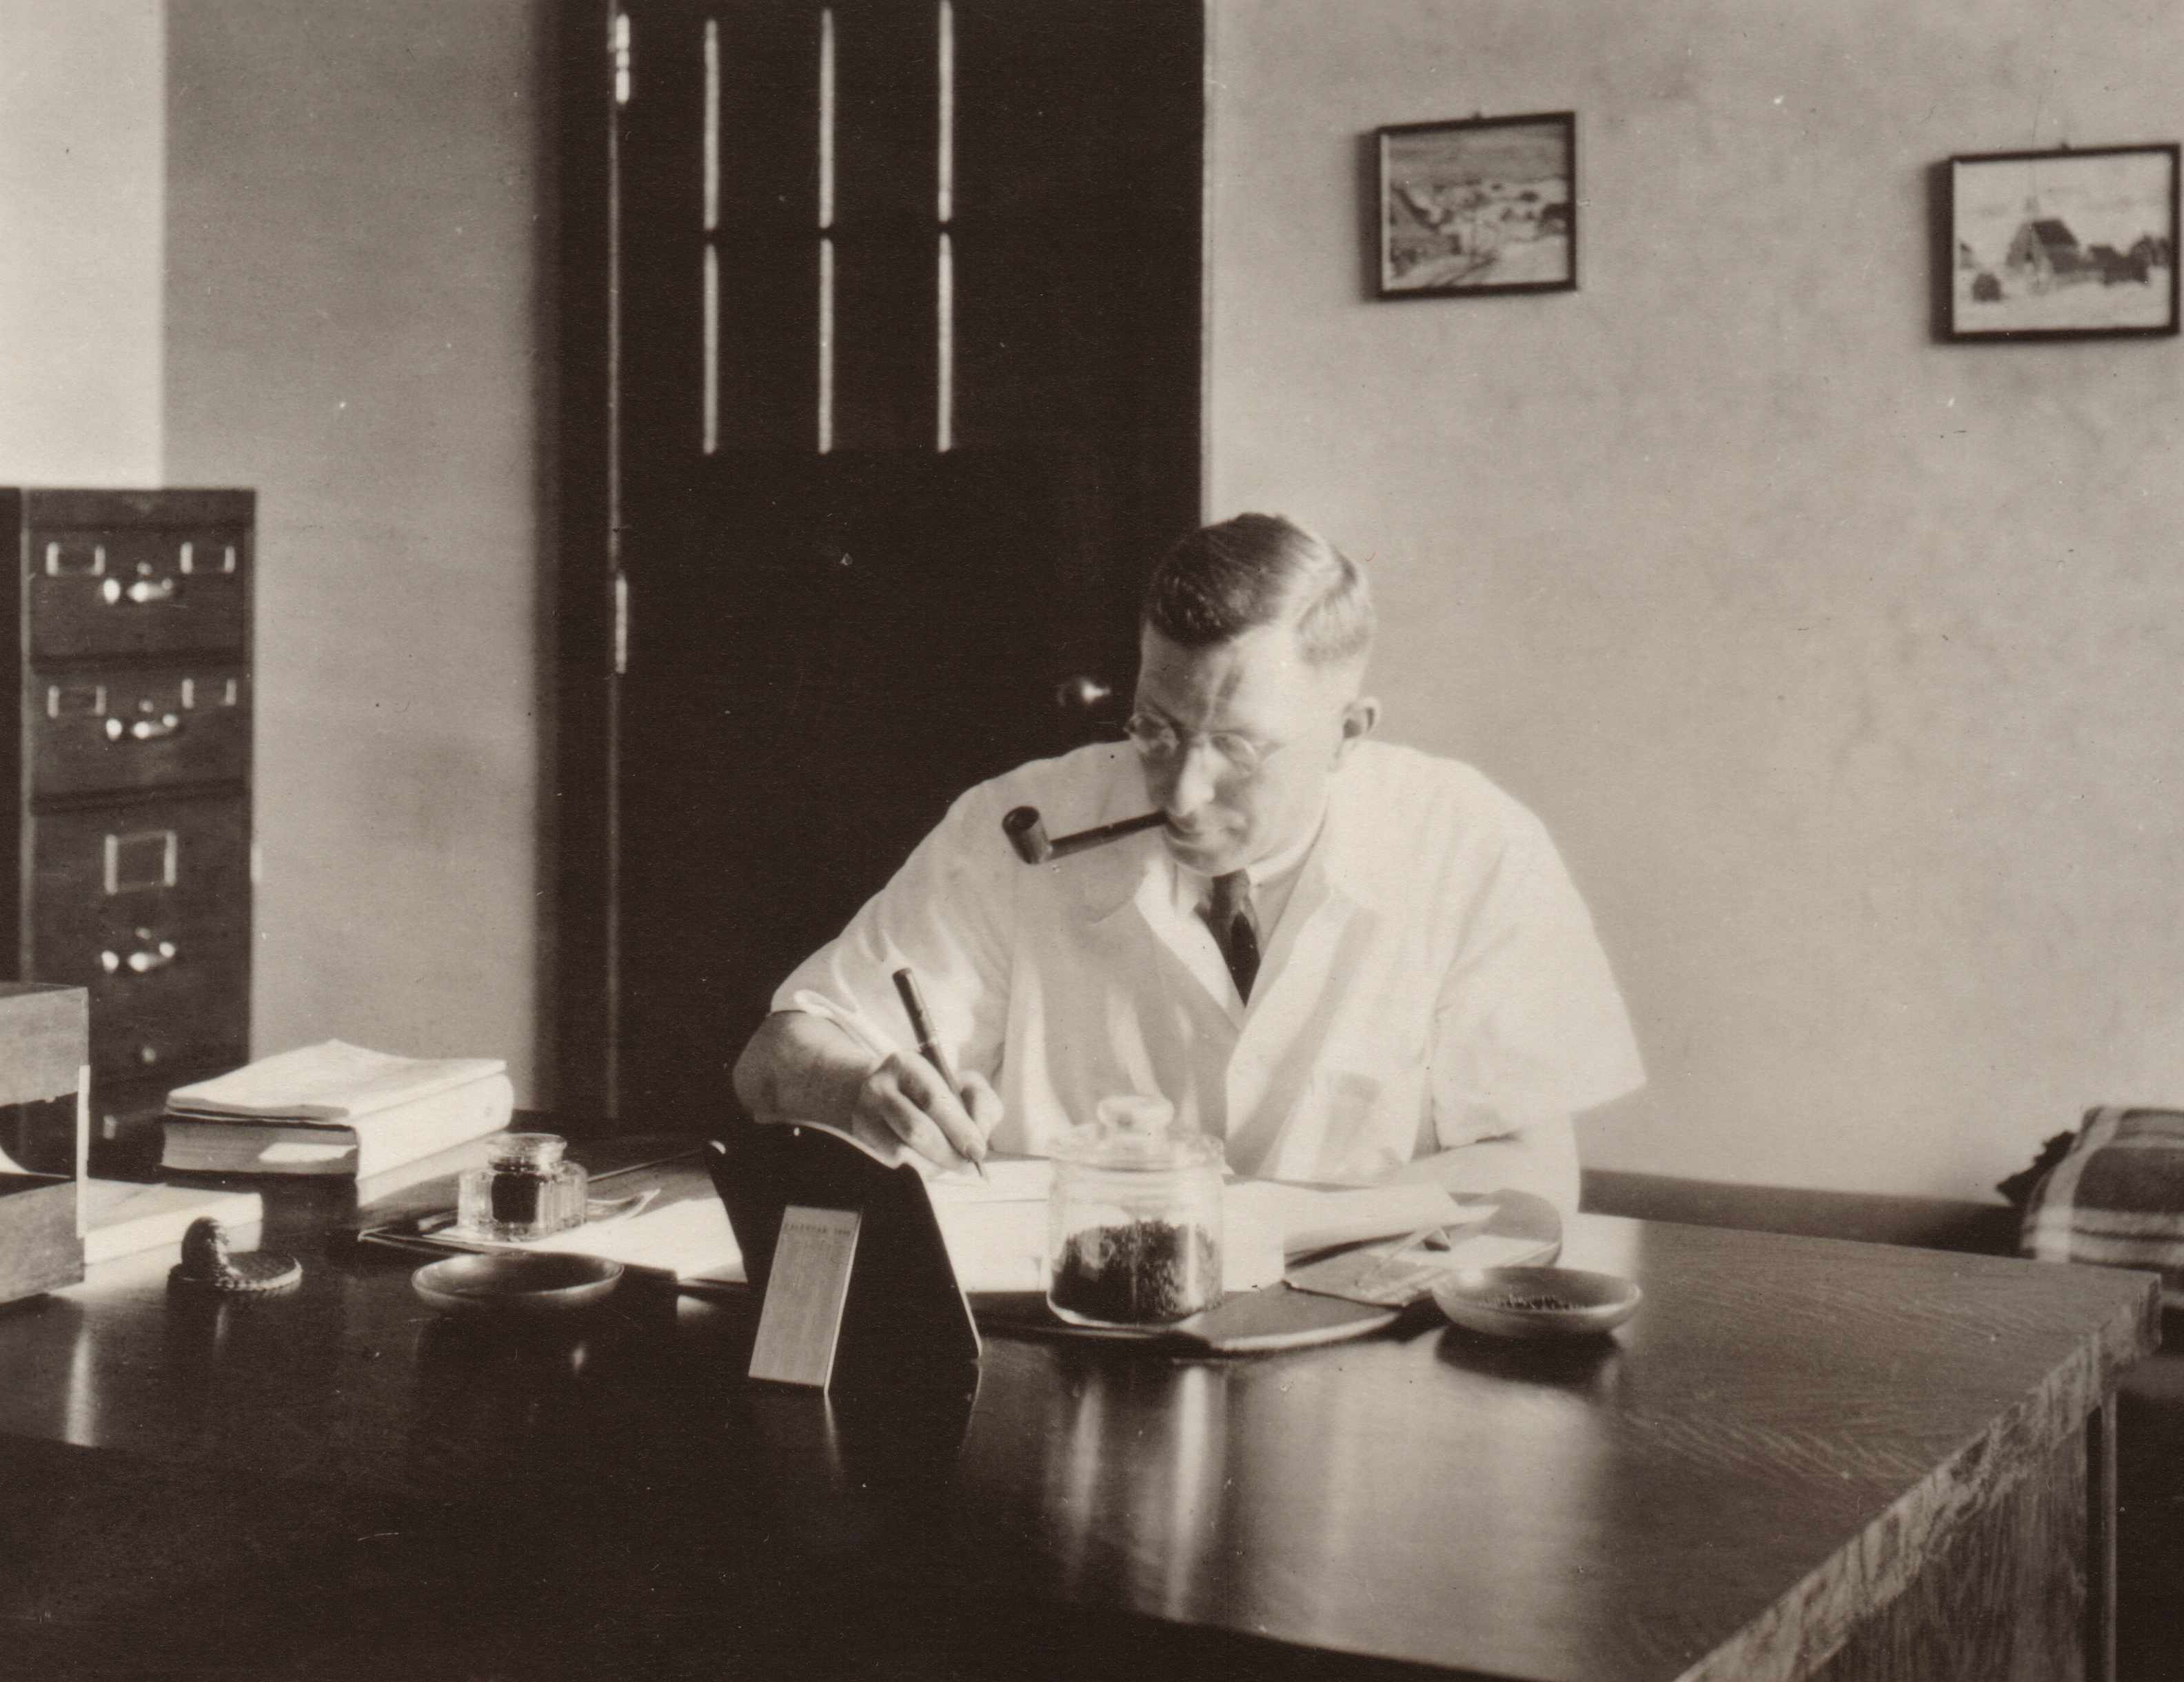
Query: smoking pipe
[1026, 834]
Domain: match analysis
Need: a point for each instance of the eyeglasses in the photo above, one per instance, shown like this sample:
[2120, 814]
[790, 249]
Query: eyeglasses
[1158, 739]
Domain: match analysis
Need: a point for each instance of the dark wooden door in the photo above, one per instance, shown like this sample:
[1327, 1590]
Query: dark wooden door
[904, 364]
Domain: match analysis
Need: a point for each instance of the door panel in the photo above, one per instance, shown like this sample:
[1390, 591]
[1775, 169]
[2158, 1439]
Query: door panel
[908, 401]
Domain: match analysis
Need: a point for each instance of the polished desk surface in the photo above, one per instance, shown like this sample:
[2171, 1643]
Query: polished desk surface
[339, 1483]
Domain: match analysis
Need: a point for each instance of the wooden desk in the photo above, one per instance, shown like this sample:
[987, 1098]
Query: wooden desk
[1802, 1458]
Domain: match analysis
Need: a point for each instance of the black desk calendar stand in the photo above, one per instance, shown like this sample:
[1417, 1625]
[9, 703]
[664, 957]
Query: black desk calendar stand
[859, 1283]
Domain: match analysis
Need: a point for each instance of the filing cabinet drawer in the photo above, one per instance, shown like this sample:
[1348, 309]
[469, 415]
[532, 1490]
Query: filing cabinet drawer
[116, 881]
[125, 728]
[193, 1007]
[129, 655]
[146, 590]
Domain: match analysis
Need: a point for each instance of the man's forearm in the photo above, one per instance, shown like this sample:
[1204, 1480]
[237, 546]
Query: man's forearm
[1543, 1160]
[800, 1067]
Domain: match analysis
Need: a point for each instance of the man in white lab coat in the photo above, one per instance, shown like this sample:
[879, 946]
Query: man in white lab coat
[1351, 962]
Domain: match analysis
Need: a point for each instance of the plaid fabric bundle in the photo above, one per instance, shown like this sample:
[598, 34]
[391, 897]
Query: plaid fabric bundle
[2117, 1199]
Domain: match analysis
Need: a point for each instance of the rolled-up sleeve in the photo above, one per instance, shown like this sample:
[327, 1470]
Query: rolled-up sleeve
[1529, 1025]
[944, 915]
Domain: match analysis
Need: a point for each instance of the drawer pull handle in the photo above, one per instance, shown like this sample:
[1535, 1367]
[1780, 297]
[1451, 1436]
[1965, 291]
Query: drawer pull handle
[58, 555]
[145, 729]
[190, 556]
[149, 859]
[143, 591]
[143, 961]
[90, 699]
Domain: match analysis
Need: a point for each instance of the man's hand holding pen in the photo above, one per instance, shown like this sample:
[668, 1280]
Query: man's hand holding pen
[905, 1101]
[918, 1098]
[811, 1070]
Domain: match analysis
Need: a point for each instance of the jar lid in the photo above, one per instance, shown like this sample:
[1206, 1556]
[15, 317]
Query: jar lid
[537, 1151]
[1137, 1132]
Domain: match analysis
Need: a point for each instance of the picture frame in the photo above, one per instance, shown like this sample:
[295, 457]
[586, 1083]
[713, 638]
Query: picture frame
[2063, 244]
[1477, 205]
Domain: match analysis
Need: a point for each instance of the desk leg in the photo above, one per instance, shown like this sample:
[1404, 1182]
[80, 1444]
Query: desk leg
[2101, 1541]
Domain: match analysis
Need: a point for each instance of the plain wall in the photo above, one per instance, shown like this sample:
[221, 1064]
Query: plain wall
[353, 311]
[82, 199]
[1843, 663]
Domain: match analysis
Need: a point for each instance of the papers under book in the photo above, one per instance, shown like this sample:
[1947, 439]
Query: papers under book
[334, 1109]
[122, 1218]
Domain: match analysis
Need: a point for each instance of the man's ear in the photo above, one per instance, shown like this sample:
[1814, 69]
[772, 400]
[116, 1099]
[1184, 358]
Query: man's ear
[1358, 719]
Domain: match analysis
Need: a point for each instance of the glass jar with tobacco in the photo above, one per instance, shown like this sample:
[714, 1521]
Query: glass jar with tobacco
[1133, 1220]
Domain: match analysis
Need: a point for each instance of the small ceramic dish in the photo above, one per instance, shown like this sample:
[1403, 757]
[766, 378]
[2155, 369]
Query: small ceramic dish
[1537, 1302]
[522, 1282]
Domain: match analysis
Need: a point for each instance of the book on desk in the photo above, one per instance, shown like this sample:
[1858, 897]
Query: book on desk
[335, 1109]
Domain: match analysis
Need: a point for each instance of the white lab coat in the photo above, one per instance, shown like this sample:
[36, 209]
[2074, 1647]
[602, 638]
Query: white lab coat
[1435, 979]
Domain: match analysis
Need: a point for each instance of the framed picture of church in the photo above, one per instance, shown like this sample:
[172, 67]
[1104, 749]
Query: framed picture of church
[1484, 204]
[2064, 244]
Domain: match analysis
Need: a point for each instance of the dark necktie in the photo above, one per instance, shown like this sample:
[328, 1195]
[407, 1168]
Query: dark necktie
[1236, 928]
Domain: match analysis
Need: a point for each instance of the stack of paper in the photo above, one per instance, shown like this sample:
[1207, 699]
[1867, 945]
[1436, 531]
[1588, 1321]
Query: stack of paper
[690, 1239]
[1390, 1276]
[335, 1109]
[1313, 1217]
[121, 1217]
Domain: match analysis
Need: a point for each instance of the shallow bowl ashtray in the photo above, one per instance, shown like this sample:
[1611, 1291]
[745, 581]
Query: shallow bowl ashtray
[1537, 1302]
[517, 1282]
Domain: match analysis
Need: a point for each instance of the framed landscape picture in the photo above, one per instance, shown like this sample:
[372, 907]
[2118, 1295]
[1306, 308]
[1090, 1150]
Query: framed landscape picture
[2047, 245]
[1485, 205]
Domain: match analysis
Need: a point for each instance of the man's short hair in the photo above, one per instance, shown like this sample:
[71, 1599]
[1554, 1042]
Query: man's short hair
[1258, 570]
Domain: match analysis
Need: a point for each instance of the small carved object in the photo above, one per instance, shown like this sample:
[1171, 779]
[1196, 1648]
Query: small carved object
[206, 1264]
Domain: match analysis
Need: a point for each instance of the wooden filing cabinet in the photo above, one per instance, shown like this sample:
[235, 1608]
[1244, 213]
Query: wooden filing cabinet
[132, 775]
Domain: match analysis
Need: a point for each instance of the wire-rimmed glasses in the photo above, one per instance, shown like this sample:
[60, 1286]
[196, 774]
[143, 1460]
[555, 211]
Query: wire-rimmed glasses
[1157, 739]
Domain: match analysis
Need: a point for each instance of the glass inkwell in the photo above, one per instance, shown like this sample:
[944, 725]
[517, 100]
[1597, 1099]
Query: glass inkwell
[1133, 1222]
[525, 1191]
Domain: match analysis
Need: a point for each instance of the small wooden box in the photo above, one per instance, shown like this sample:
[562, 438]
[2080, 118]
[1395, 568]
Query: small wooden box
[45, 1040]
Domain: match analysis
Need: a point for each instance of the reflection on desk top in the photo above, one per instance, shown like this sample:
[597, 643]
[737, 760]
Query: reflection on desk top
[1607, 1510]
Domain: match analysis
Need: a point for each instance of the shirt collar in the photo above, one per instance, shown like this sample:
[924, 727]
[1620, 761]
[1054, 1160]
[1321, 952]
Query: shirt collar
[1341, 851]
[1192, 887]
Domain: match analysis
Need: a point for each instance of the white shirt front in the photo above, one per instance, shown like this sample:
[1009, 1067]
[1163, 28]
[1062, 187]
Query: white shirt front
[1433, 980]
